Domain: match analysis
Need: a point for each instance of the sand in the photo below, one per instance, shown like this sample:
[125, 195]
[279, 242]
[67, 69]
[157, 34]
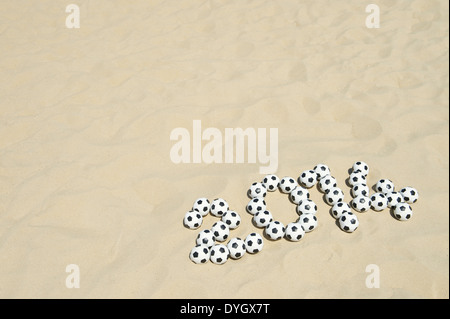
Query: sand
[86, 115]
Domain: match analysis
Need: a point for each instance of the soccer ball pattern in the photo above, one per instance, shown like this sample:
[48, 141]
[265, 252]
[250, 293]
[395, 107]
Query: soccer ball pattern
[262, 218]
[361, 203]
[257, 190]
[403, 211]
[193, 219]
[348, 222]
[202, 205]
[256, 205]
[379, 201]
[299, 194]
[306, 207]
[275, 230]
[294, 232]
[207, 241]
[410, 194]
[287, 184]
[236, 248]
[219, 254]
[232, 219]
[326, 183]
[384, 186]
[271, 182]
[220, 230]
[200, 254]
[254, 243]
[218, 207]
[308, 178]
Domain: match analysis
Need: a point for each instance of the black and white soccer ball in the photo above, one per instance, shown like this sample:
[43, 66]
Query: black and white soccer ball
[275, 230]
[256, 205]
[199, 254]
[236, 248]
[334, 195]
[308, 222]
[326, 183]
[348, 222]
[299, 194]
[254, 243]
[218, 207]
[257, 189]
[220, 230]
[357, 178]
[360, 189]
[321, 170]
[379, 201]
[384, 186]
[219, 254]
[193, 219]
[287, 184]
[361, 167]
[403, 211]
[203, 205]
[294, 232]
[231, 218]
[306, 206]
[271, 182]
[206, 237]
[339, 208]
[393, 198]
[308, 178]
[410, 194]
[262, 219]
[361, 203]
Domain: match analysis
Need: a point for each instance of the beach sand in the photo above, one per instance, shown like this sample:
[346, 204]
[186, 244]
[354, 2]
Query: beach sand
[86, 115]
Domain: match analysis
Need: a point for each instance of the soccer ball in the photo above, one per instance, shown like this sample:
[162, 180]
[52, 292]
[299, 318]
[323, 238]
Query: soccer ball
[384, 186]
[232, 219]
[271, 182]
[308, 178]
[206, 237]
[393, 198]
[287, 184]
[359, 189]
[199, 254]
[218, 207]
[307, 207]
[339, 208]
[378, 201]
[220, 230]
[257, 190]
[361, 203]
[236, 247]
[334, 195]
[321, 170]
[192, 219]
[275, 230]
[410, 194]
[294, 232]
[357, 178]
[202, 205]
[256, 205]
[219, 254]
[403, 211]
[299, 194]
[348, 222]
[361, 167]
[254, 243]
[326, 183]
[262, 218]
[308, 222]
